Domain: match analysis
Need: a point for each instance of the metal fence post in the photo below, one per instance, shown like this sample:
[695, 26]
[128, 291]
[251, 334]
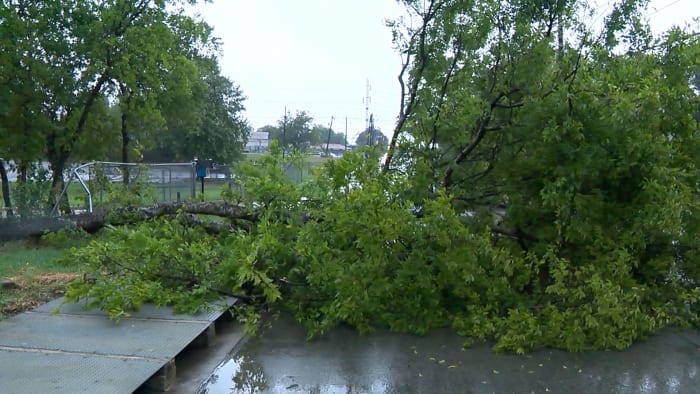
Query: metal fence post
[194, 181]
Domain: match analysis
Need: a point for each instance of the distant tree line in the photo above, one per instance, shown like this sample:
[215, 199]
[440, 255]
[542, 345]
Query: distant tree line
[301, 132]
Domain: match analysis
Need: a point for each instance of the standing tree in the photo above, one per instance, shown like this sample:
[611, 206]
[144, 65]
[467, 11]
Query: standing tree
[27, 83]
[326, 135]
[91, 40]
[5, 184]
[201, 108]
[5, 72]
[372, 136]
[221, 132]
[68, 66]
[296, 132]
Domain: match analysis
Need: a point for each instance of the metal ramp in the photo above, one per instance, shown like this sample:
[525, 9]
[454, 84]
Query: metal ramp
[82, 351]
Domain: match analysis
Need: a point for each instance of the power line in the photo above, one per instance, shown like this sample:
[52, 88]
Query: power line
[656, 11]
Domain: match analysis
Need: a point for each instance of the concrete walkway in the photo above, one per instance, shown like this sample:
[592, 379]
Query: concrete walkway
[82, 351]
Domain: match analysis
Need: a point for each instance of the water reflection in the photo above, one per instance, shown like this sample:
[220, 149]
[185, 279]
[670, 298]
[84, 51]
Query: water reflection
[239, 374]
[282, 361]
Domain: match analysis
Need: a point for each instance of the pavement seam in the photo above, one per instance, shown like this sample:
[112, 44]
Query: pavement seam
[87, 315]
[84, 354]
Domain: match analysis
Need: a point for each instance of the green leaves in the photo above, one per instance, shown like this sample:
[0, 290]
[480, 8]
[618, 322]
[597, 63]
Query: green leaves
[81, 77]
[543, 194]
[160, 262]
[575, 142]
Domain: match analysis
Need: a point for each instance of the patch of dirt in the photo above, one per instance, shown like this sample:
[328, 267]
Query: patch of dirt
[32, 290]
[55, 278]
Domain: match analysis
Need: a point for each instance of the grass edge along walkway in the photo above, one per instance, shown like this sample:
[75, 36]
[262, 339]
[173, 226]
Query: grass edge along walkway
[30, 275]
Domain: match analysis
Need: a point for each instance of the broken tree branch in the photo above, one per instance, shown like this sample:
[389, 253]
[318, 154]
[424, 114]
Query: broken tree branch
[239, 217]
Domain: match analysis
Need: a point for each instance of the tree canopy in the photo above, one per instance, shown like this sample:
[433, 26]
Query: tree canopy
[299, 132]
[540, 189]
[83, 80]
[372, 136]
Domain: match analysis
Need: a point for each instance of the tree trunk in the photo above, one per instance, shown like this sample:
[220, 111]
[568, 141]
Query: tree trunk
[125, 149]
[239, 217]
[58, 154]
[58, 183]
[22, 169]
[5, 188]
[22, 176]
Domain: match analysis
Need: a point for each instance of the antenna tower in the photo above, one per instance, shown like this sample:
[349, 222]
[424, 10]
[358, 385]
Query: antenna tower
[367, 100]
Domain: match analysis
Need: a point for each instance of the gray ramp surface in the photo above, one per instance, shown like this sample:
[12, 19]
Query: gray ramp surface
[147, 311]
[98, 335]
[25, 373]
[78, 350]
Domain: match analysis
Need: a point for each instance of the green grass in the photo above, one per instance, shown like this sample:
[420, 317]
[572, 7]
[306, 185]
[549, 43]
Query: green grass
[156, 193]
[295, 174]
[37, 274]
[21, 256]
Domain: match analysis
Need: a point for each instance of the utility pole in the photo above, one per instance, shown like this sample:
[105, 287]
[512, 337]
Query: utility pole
[346, 133]
[330, 130]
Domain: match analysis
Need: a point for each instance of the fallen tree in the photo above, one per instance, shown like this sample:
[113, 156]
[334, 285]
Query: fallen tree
[237, 215]
[13, 229]
[588, 149]
[371, 258]
[189, 213]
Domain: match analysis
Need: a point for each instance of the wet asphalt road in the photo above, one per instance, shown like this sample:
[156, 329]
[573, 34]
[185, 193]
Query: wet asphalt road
[280, 360]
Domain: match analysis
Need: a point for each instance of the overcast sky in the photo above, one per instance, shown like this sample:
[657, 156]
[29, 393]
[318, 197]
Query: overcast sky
[317, 55]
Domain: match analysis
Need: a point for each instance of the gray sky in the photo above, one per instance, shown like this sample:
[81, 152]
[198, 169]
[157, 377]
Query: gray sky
[313, 55]
[317, 55]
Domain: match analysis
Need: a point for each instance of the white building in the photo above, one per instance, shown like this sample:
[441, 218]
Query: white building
[333, 149]
[258, 141]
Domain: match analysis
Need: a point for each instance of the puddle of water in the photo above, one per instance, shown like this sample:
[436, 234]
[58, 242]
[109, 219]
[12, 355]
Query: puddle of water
[238, 374]
[280, 360]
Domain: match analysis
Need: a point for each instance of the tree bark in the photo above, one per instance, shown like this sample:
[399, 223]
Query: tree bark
[58, 155]
[239, 217]
[5, 188]
[92, 222]
[14, 229]
[126, 101]
[408, 98]
[125, 149]
[58, 165]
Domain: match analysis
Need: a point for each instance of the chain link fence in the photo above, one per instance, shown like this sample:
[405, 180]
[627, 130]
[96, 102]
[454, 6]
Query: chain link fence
[91, 185]
[99, 183]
